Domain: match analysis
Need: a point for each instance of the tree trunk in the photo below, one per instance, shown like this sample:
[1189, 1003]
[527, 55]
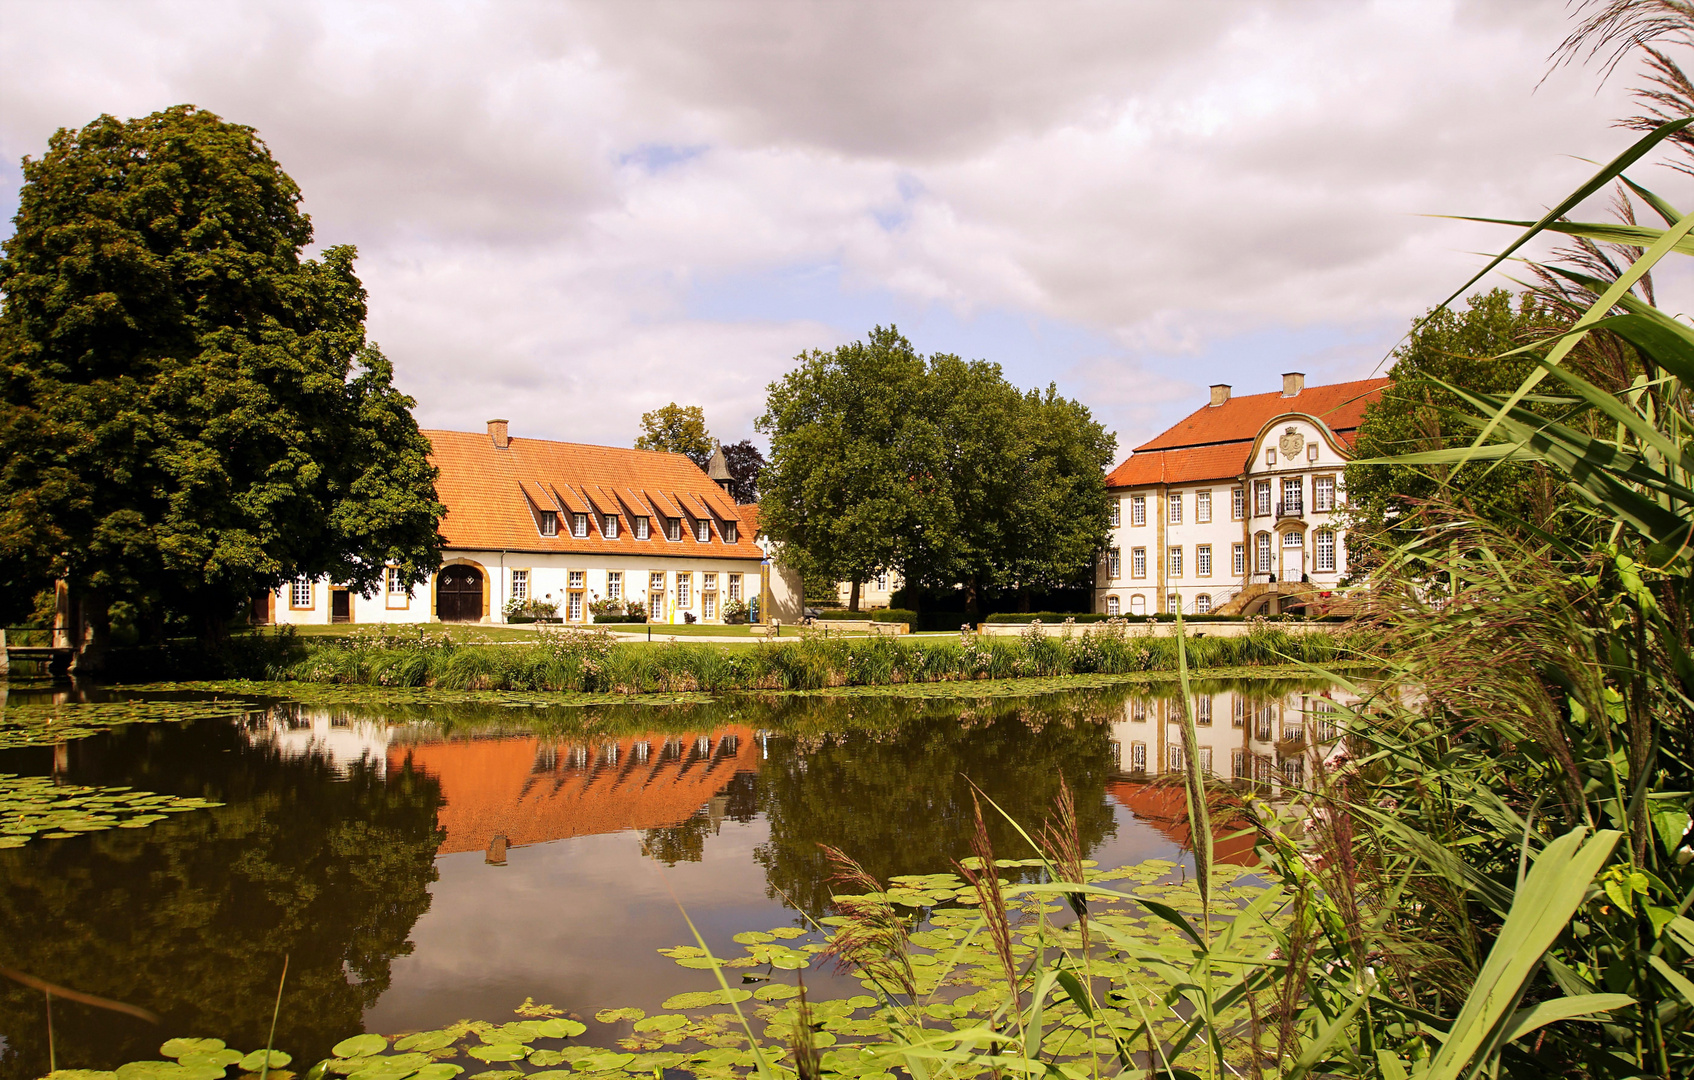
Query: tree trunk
[853, 601]
[973, 600]
[92, 635]
[1023, 599]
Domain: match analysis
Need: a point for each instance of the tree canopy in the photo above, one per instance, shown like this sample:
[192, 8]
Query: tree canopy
[189, 411]
[677, 429]
[882, 459]
[745, 464]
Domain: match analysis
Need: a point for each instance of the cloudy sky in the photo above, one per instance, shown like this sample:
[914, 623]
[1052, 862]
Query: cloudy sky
[569, 213]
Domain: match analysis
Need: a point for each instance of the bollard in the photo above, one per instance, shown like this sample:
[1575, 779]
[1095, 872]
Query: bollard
[497, 850]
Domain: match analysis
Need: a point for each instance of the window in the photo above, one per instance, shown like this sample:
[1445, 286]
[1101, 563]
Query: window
[1138, 710]
[614, 584]
[1203, 710]
[1174, 562]
[1270, 455]
[1138, 604]
[1324, 726]
[1312, 451]
[1262, 556]
[641, 528]
[549, 523]
[1202, 506]
[882, 581]
[1114, 563]
[573, 607]
[520, 584]
[1205, 761]
[1261, 498]
[1238, 715]
[709, 605]
[1238, 768]
[703, 531]
[1294, 771]
[395, 581]
[684, 590]
[1293, 538]
[1138, 757]
[1138, 562]
[300, 593]
[1203, 560]
[735, 586]
[579, 526]
[709, 582]
[1176, 508]
[1292, 497]
[656, 595]
[609, 526]
[1323, 493]
[1173, 602]
[1237, 504]
[1294, 728]
[1324, 541]
[577, 578]
[1262, 723]
[730, 532]
[1238, 559]
[1203, 604]
[1173, 757]
[673, 528]
[1261, 768]
[1112, 606]
[1138, 509]
[1116, 513]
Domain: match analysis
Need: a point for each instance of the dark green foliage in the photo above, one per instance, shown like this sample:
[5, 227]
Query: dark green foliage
[676, 429]
[893, 615]
[189, 411]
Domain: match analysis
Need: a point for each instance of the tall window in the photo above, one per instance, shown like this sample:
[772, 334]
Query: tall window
[1203, 560]
[1323, 493]
[1324, 725]
[573, 607]
[1116, 513]
[300, 593]
[1203, 710]
[641, 528]
[1138, 562]
[1203, 604]
[673, 528]
[1262, 557]
[520, 584]
[1138, 757]
[1293, 496]
[579, 526]
[708, 605]
[1138, 604]
[1238, 714]
[609, 526]
[1294, 771]
[1202, 506]
[684, 590]
[1114, 563]
[1112, 606]
[1173, 757]
[1173, 603]
[1261, 498]
[549, 523]
[1237, 504]
[1138, 510]
[730, 532]
[1173, 562]
[1176, 508]
[735, 586]
[1238, 765]
[1324, 541]
[1238, 559]
[614, 584]
[1205, 761]
[703, 531]
[1262, 722]
[396, 582]
[882, 581]
[656, 595]
[1138, 710]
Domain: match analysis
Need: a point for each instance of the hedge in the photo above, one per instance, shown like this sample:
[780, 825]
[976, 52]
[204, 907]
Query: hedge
[1162, 617]
[877, 615]
[620, 618]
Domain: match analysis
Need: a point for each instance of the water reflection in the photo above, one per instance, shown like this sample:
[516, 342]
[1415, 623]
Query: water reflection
[422, 864]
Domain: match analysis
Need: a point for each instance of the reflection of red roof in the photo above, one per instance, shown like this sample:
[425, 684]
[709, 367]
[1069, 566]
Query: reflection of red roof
[529, 789]
[1165, 807]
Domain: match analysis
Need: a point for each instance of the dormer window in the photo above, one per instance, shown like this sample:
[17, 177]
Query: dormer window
[579, 526]
[641, 528]
[673, 528]
[703, 531]
[729, 532]
[549, 523]
[609, 526]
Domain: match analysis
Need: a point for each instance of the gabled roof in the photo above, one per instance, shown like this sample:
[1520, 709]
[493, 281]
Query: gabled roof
[487, 491]
[1213, 442]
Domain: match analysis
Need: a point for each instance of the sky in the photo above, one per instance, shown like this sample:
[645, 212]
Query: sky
[568, 214]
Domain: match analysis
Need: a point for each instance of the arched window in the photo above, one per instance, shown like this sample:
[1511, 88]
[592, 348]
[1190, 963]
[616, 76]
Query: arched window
[1203, 604]
[1138, 604]
[1112, 606]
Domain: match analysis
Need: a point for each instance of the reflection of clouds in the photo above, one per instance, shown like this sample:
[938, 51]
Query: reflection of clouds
[343, 741]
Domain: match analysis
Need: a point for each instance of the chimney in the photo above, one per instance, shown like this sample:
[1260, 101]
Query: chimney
[497, 432]
[1220, 394]
[1292, 383]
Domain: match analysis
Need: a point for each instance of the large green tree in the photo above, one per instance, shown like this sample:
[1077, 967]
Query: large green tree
[189, 411]
[677, 429]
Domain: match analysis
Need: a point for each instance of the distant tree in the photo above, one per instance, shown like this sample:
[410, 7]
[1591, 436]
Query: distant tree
[676, 429]
[189, 411]
[745, 464]
[839, 492]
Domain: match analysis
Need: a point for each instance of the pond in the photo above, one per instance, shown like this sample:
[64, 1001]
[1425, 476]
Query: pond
[422, 863]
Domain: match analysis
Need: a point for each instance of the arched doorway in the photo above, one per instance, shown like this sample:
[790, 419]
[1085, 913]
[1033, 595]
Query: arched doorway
[458, 594]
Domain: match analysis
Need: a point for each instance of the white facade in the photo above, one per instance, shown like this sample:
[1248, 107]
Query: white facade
[1277, 742]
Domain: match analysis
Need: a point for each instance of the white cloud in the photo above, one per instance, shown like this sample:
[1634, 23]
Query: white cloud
[538, 190]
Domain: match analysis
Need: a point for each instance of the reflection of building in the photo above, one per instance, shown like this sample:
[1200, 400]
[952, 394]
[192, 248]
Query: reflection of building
[533, 790]
[1236, 508]
[1165, 807]
[299, 732]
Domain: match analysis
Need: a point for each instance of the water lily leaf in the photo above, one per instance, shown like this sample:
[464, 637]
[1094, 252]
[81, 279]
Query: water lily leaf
[613, 1016]
[787, 932]
[389, 1068]
[662, 1023]
[604, 1062]
[560, 1028]
[438, 1070]
[701, 999]
[751, 937]
[776, 992]
[507, 1051]
[425, 1041]
[498, 1074]
[151, 1070]
[175, 1048]
[256, 1060]
[216, 1059]
[360, 1046]
[81, 1074]
[550, 1074]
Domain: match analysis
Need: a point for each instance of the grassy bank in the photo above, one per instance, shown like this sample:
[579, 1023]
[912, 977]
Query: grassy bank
[587, 662]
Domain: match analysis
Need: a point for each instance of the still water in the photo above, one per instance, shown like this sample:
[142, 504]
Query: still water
[420, 864]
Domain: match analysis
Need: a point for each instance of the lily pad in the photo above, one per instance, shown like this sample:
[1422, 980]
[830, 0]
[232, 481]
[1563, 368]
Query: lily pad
[505, 1051]
[560, 1028]
[438, 1070]
[81, 1074]
[613, 1016]
[703, 998]
[211, 1059]
[670, 1022]
[776, 992]
[256, 1060]
[425, 1041]
[360, 1046]
[175, 1048]
[752, 937]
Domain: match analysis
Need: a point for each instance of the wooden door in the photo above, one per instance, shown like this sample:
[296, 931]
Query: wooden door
[458, 594]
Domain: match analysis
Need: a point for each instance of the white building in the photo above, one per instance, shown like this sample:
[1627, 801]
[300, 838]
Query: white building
[566, 524]
[1235, 508]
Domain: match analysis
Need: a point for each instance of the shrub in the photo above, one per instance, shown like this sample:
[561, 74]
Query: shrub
[893, 615]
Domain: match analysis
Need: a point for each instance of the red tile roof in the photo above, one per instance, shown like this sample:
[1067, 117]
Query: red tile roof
[489, 493]
[1212, 443]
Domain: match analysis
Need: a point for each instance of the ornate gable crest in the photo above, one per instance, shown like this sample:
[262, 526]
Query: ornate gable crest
[1291, 443]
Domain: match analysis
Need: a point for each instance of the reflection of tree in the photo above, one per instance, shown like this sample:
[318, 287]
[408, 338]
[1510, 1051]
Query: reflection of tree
[192, 917]
[686, 841]
[900, 801]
